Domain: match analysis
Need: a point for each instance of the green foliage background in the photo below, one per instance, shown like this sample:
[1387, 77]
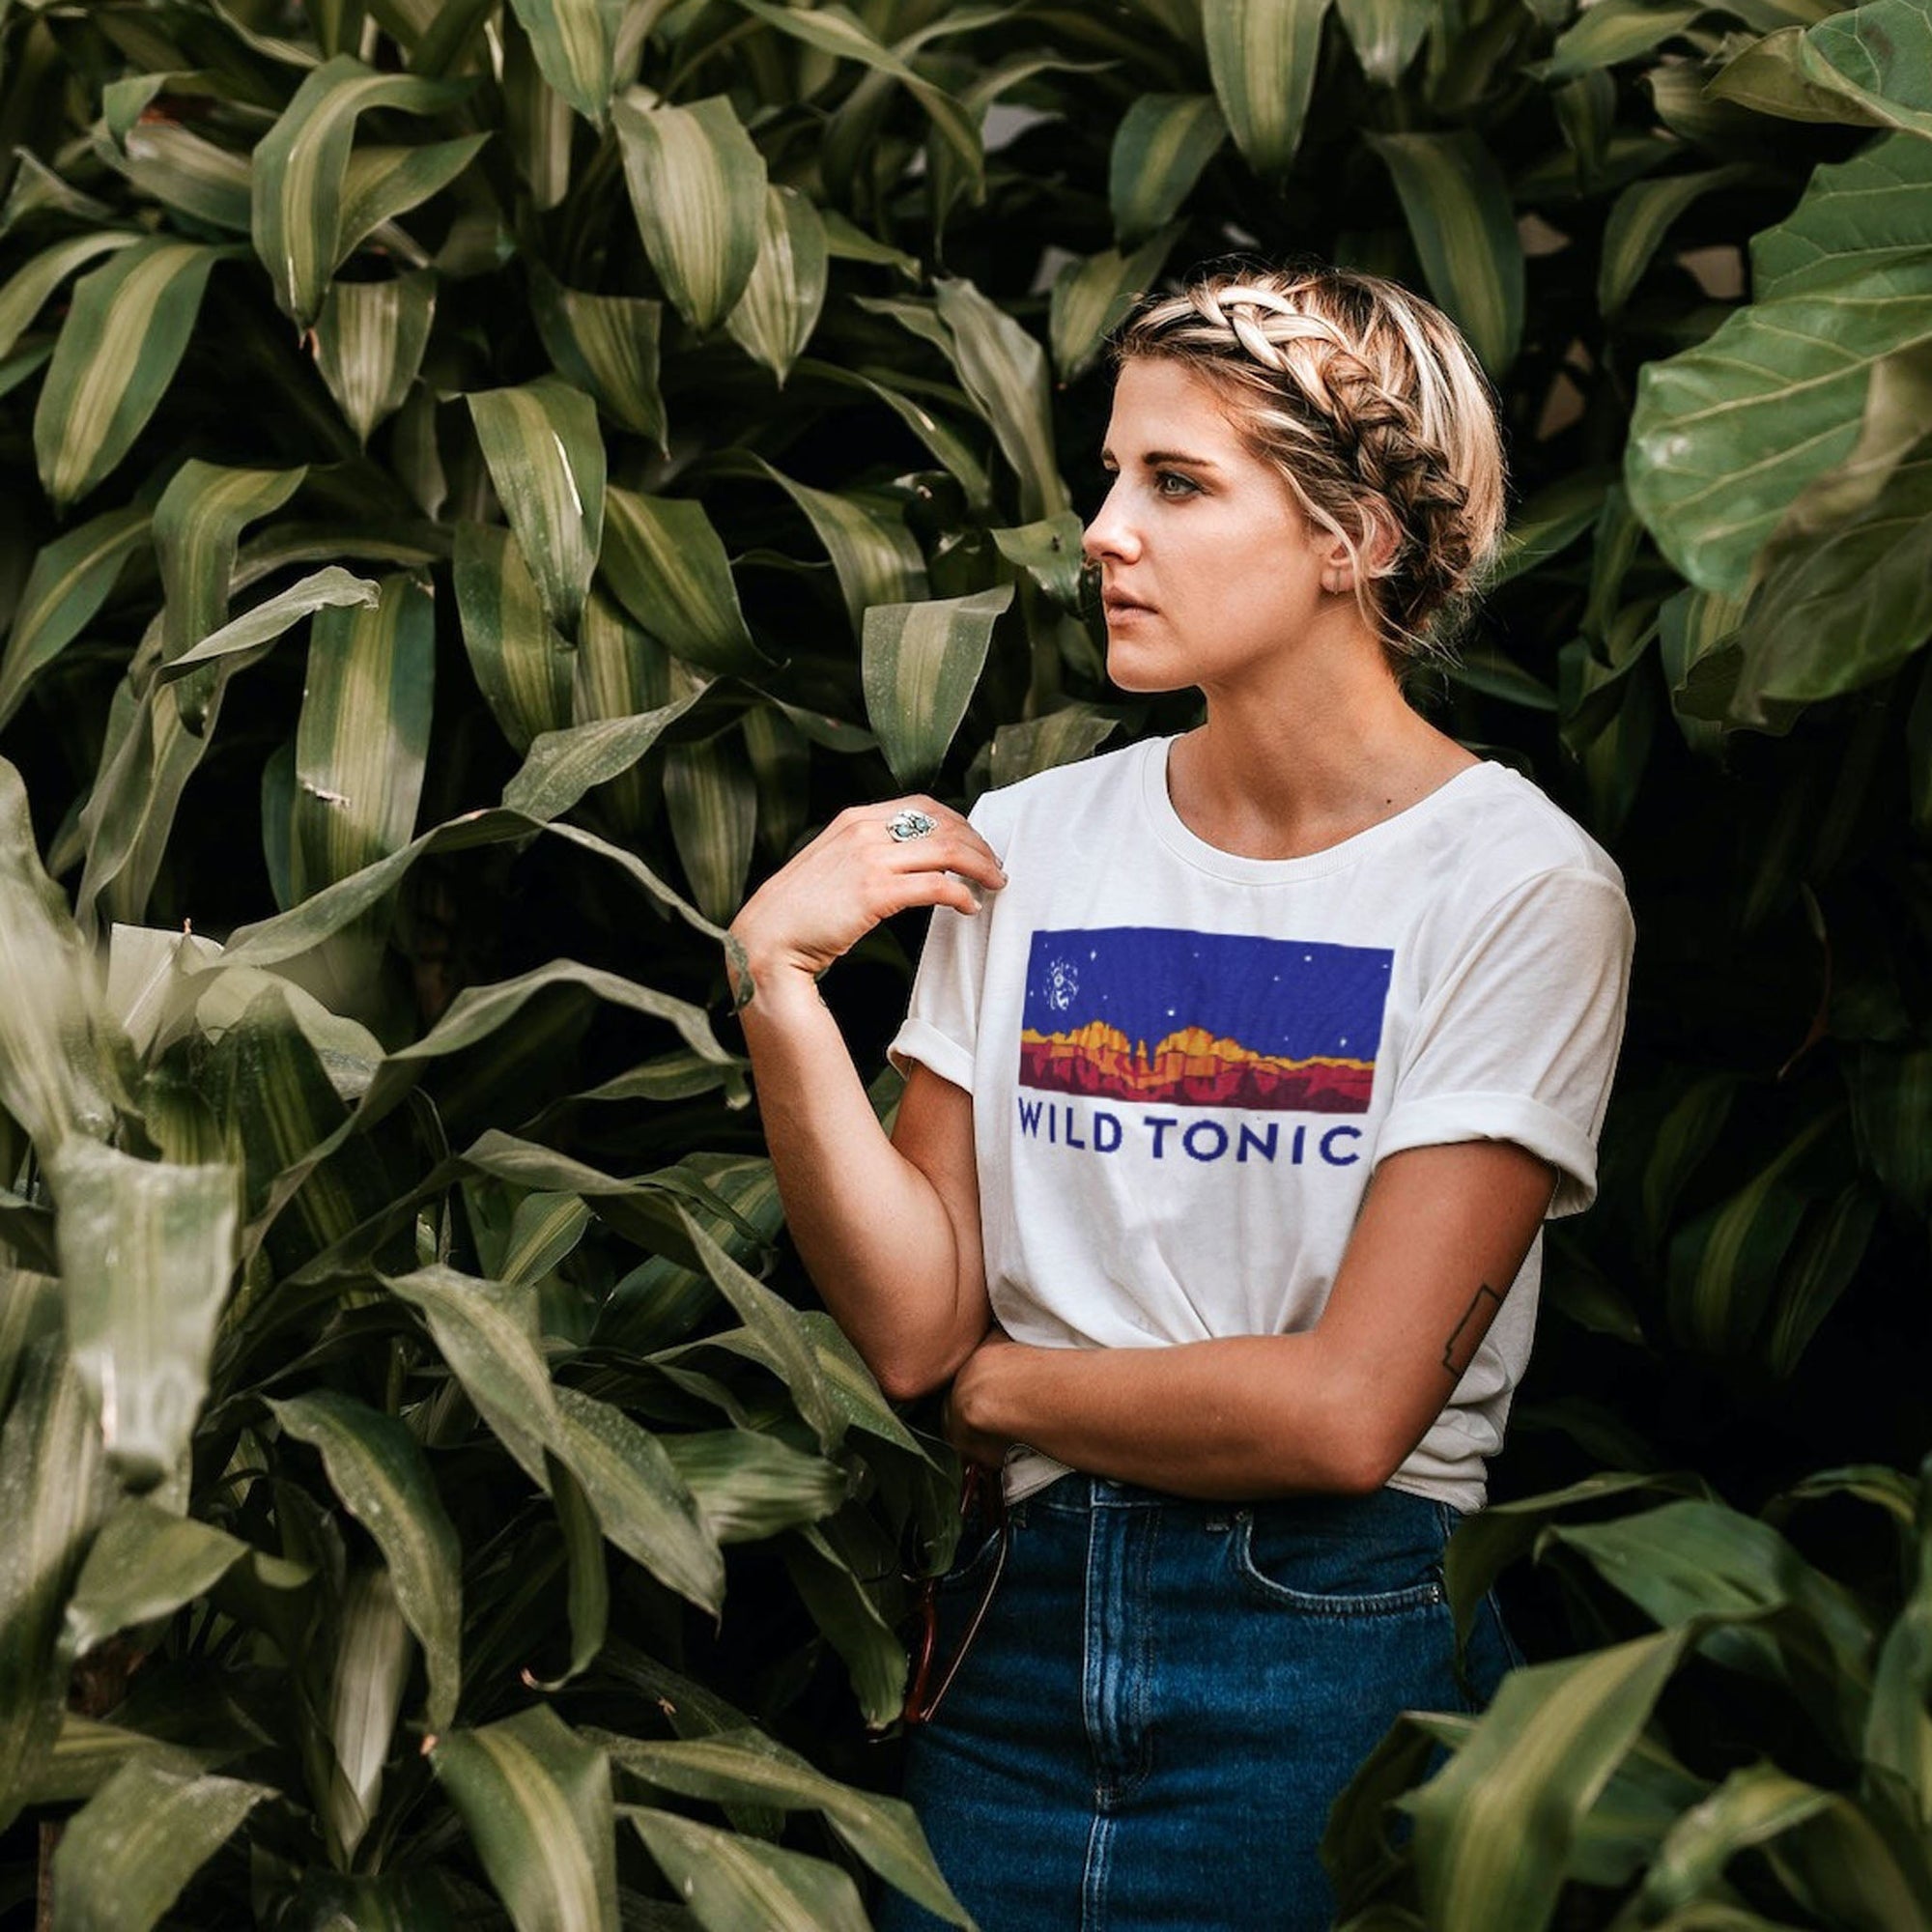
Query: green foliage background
[484, 481]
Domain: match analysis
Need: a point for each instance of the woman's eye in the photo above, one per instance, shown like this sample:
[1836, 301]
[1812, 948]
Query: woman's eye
[1170, 483]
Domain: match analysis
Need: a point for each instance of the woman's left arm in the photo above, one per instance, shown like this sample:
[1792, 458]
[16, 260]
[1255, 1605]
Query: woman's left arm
[1442, 1233]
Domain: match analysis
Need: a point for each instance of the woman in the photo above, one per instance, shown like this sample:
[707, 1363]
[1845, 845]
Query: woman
[1242, 1071]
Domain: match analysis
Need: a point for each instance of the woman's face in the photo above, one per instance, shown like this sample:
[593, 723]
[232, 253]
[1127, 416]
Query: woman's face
[1207, 566]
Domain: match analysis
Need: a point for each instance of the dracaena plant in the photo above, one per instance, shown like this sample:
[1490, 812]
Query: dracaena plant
[485, 480]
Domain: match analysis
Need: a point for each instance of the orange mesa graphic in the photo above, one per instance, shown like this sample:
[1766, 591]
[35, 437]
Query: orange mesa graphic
[1204, 1019]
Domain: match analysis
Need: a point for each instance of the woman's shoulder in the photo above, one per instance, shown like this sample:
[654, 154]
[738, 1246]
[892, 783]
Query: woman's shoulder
[1508, 830]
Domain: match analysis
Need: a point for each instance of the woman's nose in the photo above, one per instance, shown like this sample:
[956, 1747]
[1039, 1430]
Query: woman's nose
[1111, 533]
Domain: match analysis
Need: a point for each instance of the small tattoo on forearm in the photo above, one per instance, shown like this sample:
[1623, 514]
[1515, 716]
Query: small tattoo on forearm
[1457, 1353]
[738, 971]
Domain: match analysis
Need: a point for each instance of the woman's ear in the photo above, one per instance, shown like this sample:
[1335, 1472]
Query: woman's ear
[1376, 547]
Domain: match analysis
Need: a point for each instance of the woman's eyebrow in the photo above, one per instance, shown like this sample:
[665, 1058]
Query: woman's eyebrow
[1156, 459]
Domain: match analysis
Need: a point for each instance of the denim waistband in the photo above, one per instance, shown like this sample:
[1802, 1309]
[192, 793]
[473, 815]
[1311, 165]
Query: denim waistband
[1081, 1494]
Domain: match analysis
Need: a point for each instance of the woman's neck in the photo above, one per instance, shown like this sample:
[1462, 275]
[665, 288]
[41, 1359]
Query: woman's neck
[1328, 748]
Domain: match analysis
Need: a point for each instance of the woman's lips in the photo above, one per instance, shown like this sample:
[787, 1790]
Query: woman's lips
[1117, 604]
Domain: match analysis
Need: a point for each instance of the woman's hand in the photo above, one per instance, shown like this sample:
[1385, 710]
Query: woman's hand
[853, 875]
[968, 1402]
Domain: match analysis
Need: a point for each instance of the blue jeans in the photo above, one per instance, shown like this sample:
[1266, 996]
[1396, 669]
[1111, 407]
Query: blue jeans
[1166, 1697]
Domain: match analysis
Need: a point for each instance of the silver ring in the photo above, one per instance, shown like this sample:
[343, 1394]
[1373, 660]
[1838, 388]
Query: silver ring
[910, 824]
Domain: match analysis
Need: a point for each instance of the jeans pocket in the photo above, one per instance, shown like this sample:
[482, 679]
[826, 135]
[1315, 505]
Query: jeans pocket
[1332, 1568]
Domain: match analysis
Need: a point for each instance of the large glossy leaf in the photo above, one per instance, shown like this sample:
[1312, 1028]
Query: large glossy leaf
[363, 733]
[564, 765]
[1458, 206]
[608, 346]
[1091, 295]
[1262, 55]
[524, 667]
[57, 1067]
[536, 1800]
[146, 1562]
[877, 560]
[574, 43]
[1493, 1830]
[641, 1502]
[713, 802]
[750, 1487]
[921, 663]
[300, 174]
[1002, 369]
[546, 459]
[697, 190]
[147, 1249]
[123, 339]
[30, 288]
[729, 1882]
[124, 1858]
[365, 1694]
[51, 1495]
[369, 342]
[1725, 436]
[668, 566]
[1161, 146]
[71, 580]
[1868, 66]
[378, 1469]
[747, 1767]
[779, 310]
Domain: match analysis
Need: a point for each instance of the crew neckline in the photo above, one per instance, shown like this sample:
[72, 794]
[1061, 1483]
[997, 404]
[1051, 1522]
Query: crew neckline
[1189, 846]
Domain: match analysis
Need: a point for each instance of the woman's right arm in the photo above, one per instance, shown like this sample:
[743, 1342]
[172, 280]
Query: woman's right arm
[889, 1230]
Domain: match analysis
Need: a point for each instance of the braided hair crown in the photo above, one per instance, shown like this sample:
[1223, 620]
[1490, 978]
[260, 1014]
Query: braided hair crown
[1371, 406]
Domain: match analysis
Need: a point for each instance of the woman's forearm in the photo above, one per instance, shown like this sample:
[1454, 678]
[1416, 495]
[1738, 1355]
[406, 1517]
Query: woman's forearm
[875, 1232]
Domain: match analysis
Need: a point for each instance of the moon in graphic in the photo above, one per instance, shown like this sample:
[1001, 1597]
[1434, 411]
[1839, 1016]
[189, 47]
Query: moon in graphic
[1062, 984]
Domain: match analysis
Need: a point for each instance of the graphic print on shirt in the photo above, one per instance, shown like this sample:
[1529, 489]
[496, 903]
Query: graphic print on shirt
[1204, 1019]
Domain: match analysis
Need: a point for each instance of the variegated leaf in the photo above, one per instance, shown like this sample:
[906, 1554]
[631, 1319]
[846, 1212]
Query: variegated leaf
[574, 41]
[919, 663]
[1160, 147]
[1262, 55]
[522, 668]
[369, 342]
[668, 566]
[779, 310]
[607, 345]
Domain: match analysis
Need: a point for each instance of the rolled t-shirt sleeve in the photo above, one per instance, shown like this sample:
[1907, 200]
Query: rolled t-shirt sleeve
[942, 1024]
[1519, 1036]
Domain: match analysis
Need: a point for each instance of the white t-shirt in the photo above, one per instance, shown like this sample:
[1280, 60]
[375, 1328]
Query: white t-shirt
[1185, 1065]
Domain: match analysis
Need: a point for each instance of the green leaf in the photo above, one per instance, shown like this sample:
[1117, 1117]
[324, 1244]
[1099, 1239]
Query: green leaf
[748, 1486]
[1049, 553]
[171, 164]
[1091, 295]
[1614, 31]
[745, 1767]
[546, 459]
[144, 1563]
[147, 1249]
[29, 289]
[124, 1858]
[363, 734]
[780, 309]
[1262, 55]
[697, 190]
[524, 667]
[844, 1609]
[920, 665]
[574, 41]
[1892, 1109]
[1061, 737]
[713, 802]
[119, 348]
[1160, 147]
[1546, 1746]
[664, 561]
[1385, 34]
[607, 345]
[877, 560]
[380, 184]
[369, 342]
[536, 1800]
[641, 1502]
[1869, 65]
[1002, 369]
[729, 1882]
[1459, 215]
[379, 1471]
[562, 766]
[1638, 221]
[365, 1694]
[269, 620]
[51, 1495]
[71, 580]
[1725, 436]
[299, 179]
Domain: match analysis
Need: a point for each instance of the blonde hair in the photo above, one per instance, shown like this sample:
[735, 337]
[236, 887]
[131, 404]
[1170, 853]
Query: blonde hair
[1371, 406]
